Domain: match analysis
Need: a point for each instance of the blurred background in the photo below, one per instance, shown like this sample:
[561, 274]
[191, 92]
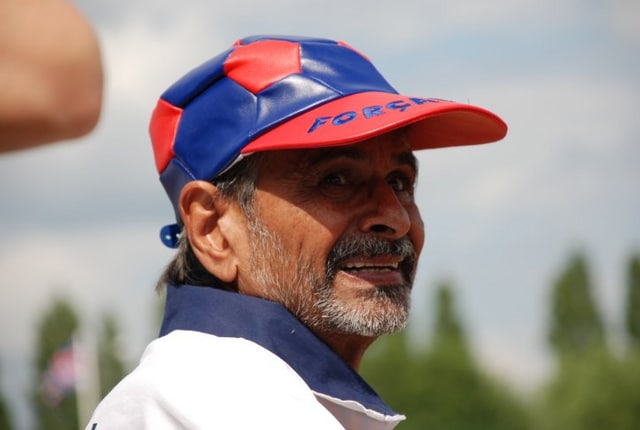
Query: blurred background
[531, 259]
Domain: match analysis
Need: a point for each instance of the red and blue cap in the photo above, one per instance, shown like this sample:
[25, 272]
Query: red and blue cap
[279, 92]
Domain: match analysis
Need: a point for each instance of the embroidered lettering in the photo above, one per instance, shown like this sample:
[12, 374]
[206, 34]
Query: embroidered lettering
[400, 105]
[420, 101]
[369, 112]
[318, 122]
[344, 118]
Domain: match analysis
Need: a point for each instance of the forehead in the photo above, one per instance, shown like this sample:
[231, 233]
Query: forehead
[391, 149]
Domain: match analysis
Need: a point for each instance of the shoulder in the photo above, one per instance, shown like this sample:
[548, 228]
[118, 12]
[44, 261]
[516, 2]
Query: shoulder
[198, 379]
[202, 363]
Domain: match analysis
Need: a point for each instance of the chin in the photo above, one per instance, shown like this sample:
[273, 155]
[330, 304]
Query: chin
[380, 311]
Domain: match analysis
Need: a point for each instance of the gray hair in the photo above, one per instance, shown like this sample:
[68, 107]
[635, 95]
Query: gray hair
[236, 184]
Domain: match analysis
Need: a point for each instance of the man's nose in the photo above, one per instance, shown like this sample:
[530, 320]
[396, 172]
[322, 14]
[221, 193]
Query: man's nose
[384, 214]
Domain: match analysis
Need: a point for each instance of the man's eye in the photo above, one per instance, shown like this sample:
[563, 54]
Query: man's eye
[334, 179]
[401, 184]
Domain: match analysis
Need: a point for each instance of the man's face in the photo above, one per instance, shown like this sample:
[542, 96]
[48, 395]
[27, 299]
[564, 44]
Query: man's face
[334, 235]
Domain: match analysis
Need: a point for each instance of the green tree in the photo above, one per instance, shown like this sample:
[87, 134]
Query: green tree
[388, 367]
[595, 392]
[5, 418]
[442, 387]
[591, 388]
[110, 363]
[454, 393]
[632, 315]
[576, 327]
[55, 331]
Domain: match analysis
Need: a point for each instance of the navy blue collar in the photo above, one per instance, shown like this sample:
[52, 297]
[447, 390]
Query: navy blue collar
[272, 326]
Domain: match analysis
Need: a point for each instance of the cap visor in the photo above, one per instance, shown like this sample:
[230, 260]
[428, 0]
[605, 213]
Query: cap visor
[434, 123]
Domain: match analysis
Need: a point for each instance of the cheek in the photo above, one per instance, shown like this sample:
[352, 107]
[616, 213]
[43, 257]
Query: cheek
[307, 230]
[304, 237]
[312, 241]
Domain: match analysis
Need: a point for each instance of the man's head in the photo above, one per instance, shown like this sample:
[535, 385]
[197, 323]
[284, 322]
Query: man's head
[332, 233]
[289, 162]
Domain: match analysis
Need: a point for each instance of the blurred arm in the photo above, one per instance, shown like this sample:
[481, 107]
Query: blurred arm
[50, 73]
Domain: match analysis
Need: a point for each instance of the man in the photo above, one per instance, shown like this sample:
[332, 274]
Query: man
[50, 73]
[289, 162]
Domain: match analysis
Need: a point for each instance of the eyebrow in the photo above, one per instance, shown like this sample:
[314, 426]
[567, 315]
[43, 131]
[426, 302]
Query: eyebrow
[357, 154]
[409, 159]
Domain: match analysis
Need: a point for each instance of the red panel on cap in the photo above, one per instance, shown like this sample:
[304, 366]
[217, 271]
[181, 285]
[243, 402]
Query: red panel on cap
[163, 128]
[260, 64]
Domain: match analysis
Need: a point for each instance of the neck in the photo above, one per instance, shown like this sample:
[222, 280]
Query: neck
[349, 347]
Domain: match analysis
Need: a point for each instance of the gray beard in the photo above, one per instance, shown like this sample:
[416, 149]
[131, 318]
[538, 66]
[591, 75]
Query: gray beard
[310, 296]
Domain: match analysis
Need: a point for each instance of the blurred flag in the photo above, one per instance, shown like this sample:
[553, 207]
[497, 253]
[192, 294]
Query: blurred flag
[59, 380]
[73, 369]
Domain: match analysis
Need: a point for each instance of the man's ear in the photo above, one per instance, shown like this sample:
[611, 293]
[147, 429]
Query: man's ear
[201, 208]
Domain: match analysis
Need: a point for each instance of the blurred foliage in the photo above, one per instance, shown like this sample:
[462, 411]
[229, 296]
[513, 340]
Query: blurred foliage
[5, 418]
[441, 387]
[55, 330]
[632, 319]
[592, 388]
[592, 392]
[110, 364]
[576, 326]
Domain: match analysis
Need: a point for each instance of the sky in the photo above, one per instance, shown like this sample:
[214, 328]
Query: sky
[80, 219]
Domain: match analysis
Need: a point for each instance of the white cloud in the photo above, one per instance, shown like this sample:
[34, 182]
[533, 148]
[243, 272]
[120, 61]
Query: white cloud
[143, 60]
[625, 15]
[568, 138]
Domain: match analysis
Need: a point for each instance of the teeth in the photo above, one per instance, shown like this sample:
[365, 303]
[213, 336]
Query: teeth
[357, 266]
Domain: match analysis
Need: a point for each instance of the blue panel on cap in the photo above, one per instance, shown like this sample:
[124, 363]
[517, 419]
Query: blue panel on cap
[173, 179]
[215, 127]
[342, 68]
[196, 81]
[287, 98]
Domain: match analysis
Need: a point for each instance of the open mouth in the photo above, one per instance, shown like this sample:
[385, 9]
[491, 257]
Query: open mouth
[373, 261]
[382, 270]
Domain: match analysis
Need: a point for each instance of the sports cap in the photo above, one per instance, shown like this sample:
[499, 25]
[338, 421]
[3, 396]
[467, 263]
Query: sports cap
[282, 92]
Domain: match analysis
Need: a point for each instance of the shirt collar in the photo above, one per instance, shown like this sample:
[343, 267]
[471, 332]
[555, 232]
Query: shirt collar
[272, 326]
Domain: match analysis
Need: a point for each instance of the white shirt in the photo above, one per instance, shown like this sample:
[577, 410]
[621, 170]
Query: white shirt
[192, 380]
[241, 377]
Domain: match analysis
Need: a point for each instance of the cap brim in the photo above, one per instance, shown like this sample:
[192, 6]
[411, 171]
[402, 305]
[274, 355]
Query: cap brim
[434, 123]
